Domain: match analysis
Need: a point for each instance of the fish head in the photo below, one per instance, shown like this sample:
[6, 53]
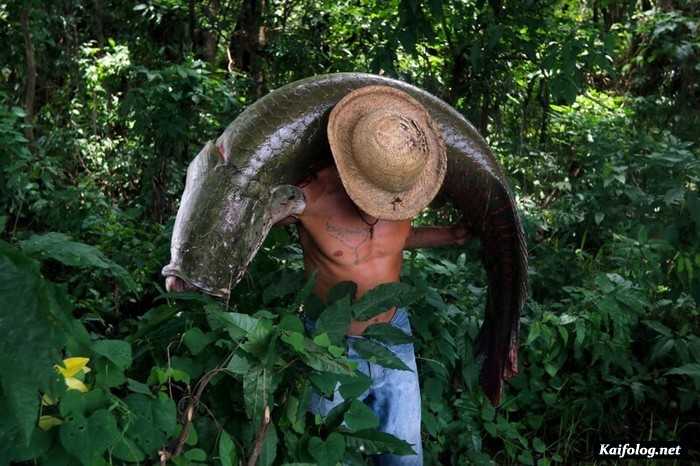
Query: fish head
[224, 217]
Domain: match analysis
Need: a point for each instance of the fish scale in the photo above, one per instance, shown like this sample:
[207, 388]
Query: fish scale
[275, 141]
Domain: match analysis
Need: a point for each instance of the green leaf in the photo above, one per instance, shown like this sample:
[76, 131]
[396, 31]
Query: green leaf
[258, 387]
[196, 340]
[360, 417]
[322, 340]
[235, 323]
[269, 447]
[659, 327]
[117, 351]
[692, 369]
[327, 453]
[152, 421]
[228, 454]
[138, 387]
[383, 297]
[61, 248]
[75, 402]
[125, 449]
[335, 321]
[295, 340]
[107, 374]
[291, 323]
[373, 442]
[35, 324]
[324, 382]
[89, 438]
[353, 385]
[238, 365]
[306, 290]
[286, 283]
[538, 445]
[346, 289]
[387, 333]
[196, 454]
[378, 354]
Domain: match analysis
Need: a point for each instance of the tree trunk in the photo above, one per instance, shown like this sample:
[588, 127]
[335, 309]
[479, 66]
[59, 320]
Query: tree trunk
[99, 29]
[30, 83]
[247, 42]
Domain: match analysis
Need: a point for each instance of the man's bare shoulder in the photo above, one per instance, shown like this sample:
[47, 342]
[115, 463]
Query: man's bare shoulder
[318, 187]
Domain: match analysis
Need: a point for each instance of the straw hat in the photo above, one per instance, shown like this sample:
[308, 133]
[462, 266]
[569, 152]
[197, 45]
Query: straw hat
[388, 151]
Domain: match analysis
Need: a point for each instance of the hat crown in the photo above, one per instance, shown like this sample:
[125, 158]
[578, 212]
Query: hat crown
[391, 149]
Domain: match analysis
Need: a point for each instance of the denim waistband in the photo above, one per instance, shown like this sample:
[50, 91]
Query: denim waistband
[399, 320]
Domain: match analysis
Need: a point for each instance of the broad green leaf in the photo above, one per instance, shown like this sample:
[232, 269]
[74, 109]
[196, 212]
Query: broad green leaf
[196, 454]
[322, 340]
[269, 446]
[378, 354]
[286, 283]
[35, 324]
[196, 340]
[291, 323]
[373, 442]
[538, 445]
[335, 416]
[334, 321]
[125, 449]
[152, 421]
[238, 365]
[359, 417]
[354, 385]
[659, 327]
[306, 290]
[237, 324]
[383, 297]
[228, 454]
[328, 452]
[346, 289]
[258, 387]
[387, 333]
[138, 387]
[60, 247]
[295, 340]
[74, 402]
[295, 413]
[117, 351]
[324, 382]
[692, 369]
[108, 374]
[89, 438]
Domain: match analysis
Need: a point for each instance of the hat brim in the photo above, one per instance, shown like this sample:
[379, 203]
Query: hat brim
[369, 197]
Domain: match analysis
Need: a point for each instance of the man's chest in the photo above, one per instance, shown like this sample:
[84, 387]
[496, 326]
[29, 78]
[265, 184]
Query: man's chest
[338, 229]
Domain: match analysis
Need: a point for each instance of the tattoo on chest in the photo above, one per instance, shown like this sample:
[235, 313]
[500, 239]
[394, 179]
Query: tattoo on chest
[352, 238]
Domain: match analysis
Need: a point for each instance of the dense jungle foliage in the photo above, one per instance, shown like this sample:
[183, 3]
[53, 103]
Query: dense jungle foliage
[592, 107]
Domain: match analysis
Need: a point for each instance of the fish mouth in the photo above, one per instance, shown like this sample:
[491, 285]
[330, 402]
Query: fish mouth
[171, 270]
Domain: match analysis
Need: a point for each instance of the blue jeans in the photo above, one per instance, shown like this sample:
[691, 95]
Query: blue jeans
[394, 395]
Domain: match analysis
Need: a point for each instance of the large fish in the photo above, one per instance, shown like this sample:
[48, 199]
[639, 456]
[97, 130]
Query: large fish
[242, 184]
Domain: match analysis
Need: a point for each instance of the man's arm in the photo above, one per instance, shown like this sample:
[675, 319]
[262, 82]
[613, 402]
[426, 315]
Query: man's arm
[429, 237]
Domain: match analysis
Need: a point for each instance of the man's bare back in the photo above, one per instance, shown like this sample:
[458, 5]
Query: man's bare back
[342, 243]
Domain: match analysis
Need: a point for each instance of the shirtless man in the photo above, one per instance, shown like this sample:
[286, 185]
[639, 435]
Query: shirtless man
[389, 164]
[343, 243]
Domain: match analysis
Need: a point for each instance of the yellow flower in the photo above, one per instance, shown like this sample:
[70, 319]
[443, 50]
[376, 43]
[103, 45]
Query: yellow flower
[47, 422]
[71, 368]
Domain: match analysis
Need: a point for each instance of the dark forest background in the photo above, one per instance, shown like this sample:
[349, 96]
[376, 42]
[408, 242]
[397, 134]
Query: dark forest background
[592, 107]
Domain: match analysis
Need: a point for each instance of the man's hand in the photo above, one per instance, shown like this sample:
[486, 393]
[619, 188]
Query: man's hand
[174, 284]
[461, 234]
